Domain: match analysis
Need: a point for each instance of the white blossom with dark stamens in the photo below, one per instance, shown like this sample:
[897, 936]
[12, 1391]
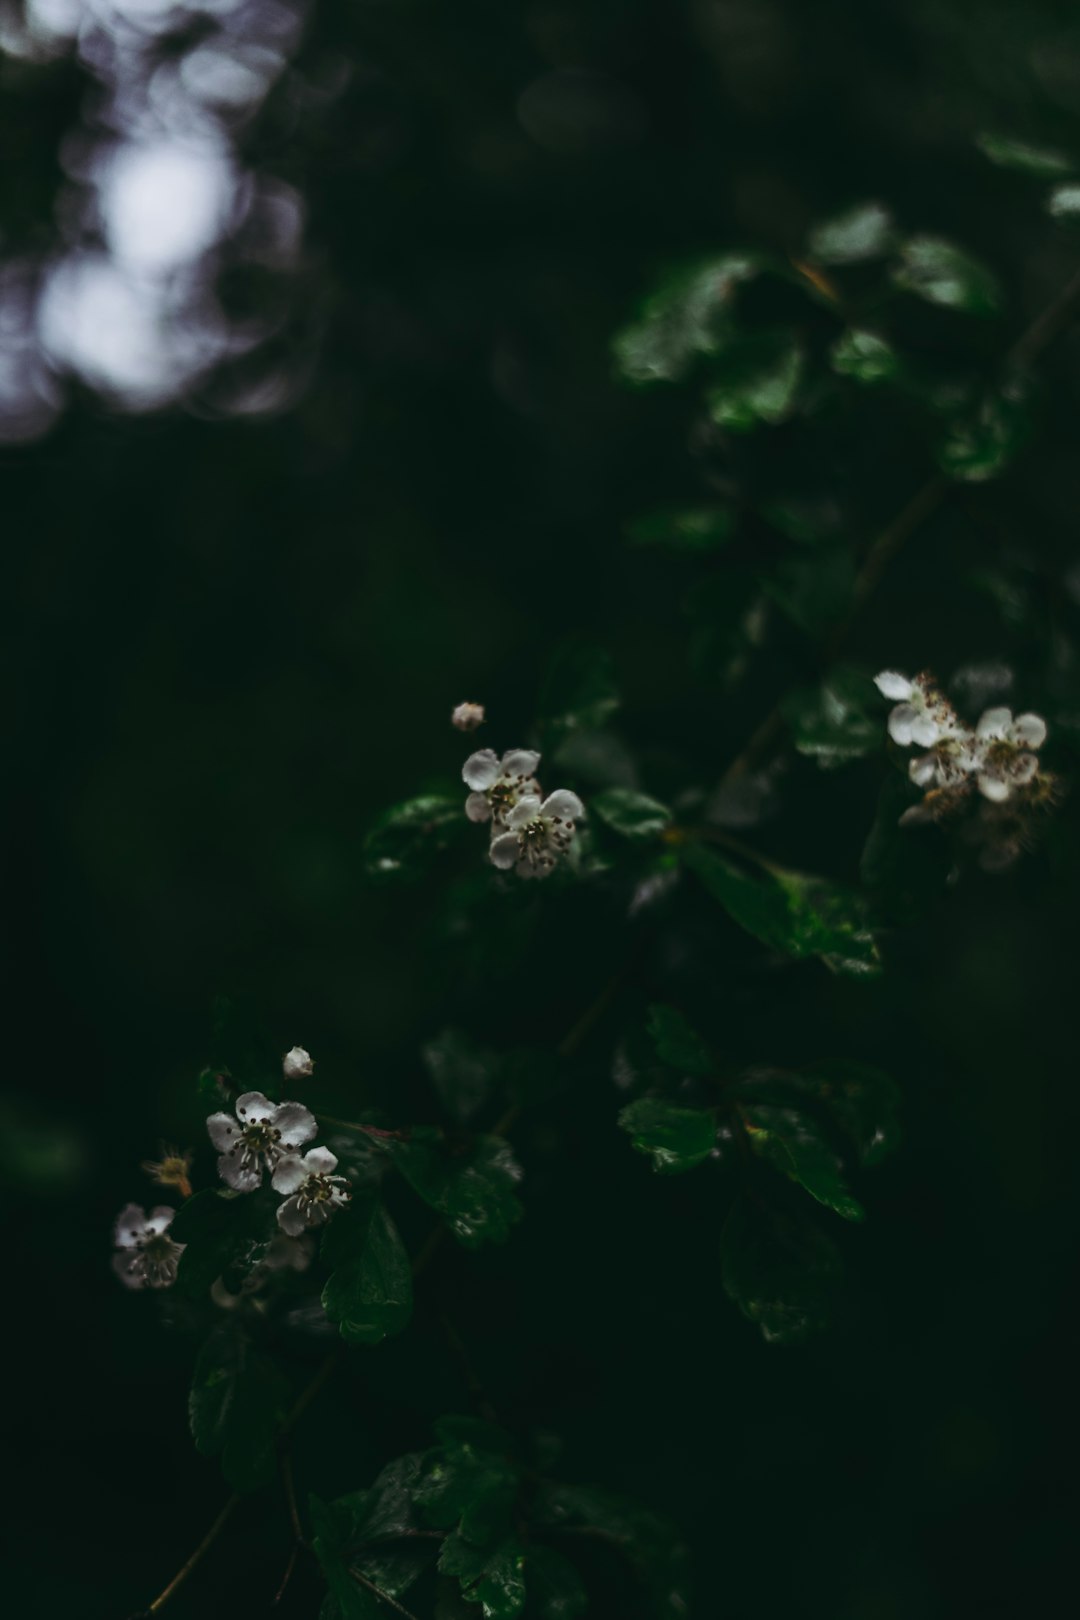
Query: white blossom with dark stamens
[498, 784]
[922, 715]
[313, 1191]
[1006, 752]
[146, 1257]
[262, 1134]
[538, 835]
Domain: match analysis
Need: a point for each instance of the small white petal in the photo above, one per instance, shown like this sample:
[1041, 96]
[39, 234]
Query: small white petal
[295, 1122]
[994, 725]
[901, 720]
[477, 807]
[320, 1162]
[892, 685]
[289, 1174]
[520, 762]
[504, 851]
[289, 1217]
[122, 1264]
[1030, 730]
[481, 770]
[297, 1064]
[1025, 768]
[253, 1108]
[923, 770]
[527, 809]
[925, 731]
[564, 804]
[160, 1219]
[223, 1131]
[235, 1176]
[130, 1226]
[994, 788]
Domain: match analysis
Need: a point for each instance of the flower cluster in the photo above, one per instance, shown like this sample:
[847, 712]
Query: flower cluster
[997, 760]
[529, 833]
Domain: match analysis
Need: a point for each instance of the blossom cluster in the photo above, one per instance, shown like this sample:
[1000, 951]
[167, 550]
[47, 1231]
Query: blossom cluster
[529, 833]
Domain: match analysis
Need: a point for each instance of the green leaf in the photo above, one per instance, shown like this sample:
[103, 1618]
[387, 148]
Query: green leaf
[372, 1532]
[689, 316]
[463, 1482]
[944, 274]
[1042, 162]
[472, 1185]
[236, 1406]
[904, 870]
[219, 1229]
[755, 380]
[633, 814]
[864, 356]
[815, 588]
[369, 1292]
[863, 232]
[555, 1587]
[780, 1270]
[861, 1102]
[578, 691]
[1064, 202]
[649, 1542]
[830, 722]
[492, 1577]
[792, 1143]
[406, 840]
[792, 912]
[694, 529]
[676, 1138]
[678, 1043]
[980, 444]
[464, 1075]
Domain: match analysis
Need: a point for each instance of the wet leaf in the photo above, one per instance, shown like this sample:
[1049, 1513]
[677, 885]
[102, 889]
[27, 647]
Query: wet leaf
[493, 1577]
[830, 722]
[647, 1540]
[1041, 162]
[864, 232]
[864, 356]
[236, 1405]
[678, 1043]
[691, 315]
[578, 692]
[633, 814]
[675, 1138]
[780, 1270]
[472, 1185]
[220, 1229]
[755, 381]
[793, 1143]
[406, 840]
[944, 274]
[981, 443]
[860, 1102]
[369, 1292]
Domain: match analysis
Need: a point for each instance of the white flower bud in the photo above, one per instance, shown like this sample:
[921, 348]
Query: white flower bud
[467, 716]
[297, 1064]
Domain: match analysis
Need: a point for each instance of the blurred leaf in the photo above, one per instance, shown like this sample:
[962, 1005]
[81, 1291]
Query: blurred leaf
[1042, 162]
[865, 356]
[755, 380]
[681, 528]
[792, 1143]
[792, 912]
[236, 1405]
[689, 316]
[862, 1102]
[648, 1541]
[633, 814]
[903, 870]
[220, 1229]
[472, 1185]
[555, 1587]
[464, 1075]
[578, 692]
[1064, 202]
[830, 723]
[814, 589]
[805, 519]
[944, 274]
[407, 839]
[369, 1292]
[675, 1138]
[780, 1270]
[980, 445]
[864, 232]
[678, 1043]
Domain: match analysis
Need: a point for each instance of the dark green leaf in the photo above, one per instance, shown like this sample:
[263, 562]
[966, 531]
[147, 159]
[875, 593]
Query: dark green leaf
[369, 1292]
[555, 1588]
[980, 444]
[792, 912]
[407, 839]
[494, 1578]
[633, 814]
[780, 1270]
[676, 1138]
[863, 232]
[830, 722]
[865, 356]
[755, 380]
[220, 1229]
[689, 316]
[793, 1143]
[578, 691]
[464, 1075]
[679, 528]
[861, 1102]
[472, 1185]
[1041, 162]
[678, 1043]
[373, 1533]
[236, 1406]
[648, 1541]
[1064, 202]
[904, 870]
[463, 1478]
[814, 588]
[944, 274]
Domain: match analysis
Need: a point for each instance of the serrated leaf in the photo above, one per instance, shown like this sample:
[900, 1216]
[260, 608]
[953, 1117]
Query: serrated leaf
[864, 356]
[675, 1138]
[793, 1143]
[755, 380]
[408, 838]
[690, 315]
[472, 1185]
[944, 274]
[830, 722]
[1041, 162]
[677, 1042]
[647, 1540]
[860, 1101]
[863, 232]
[372, 1533]
[691, 529]
[792, 912]
[219, 1229]
[236, 1406]
[493, 1577]
[578, 692]
[633, 814]
[780, 1270]
[369, 1292]
[464, 1075]
[980, 444]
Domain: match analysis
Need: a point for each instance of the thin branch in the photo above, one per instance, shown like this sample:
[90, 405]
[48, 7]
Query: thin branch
[197, 1556]
[366, 1130]
[379, 1593]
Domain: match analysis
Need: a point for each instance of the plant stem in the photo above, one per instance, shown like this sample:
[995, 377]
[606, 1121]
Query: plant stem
[366, 1130]
[197, 1556]
[379, 1593]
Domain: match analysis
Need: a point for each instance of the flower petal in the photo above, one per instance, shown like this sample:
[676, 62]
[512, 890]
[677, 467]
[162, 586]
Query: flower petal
[504, 851]
[901, 720]
[289, 1217]
[295, 1122]
[130, 1226]
[320, 1162]
[253, 1107]
[481, 769]
[925, 731]
[1025, 768]
[994, 788]
[520, 762]
[527, 809]
[289, 1174]
[923, 770]
[477, 807]
[1030, 730]
[122, 1264]
[223, 1131]
[893, 685]
[234, 1175]
[564, 804]
[994, 725]
[160, 1219]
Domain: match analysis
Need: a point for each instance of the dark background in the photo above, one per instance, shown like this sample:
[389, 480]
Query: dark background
[233, 642]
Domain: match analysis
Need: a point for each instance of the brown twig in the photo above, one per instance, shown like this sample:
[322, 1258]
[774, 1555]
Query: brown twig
[197, 1556]
[379, 1593]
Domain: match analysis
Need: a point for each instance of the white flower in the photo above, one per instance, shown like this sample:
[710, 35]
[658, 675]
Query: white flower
[147, 1256]
[314, 1191]
[537, 835]
[948, 764]
[497, 784]
[1006, 759]
[921, 715]
[297, 1064]
[266, 1133]
[467, 716]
